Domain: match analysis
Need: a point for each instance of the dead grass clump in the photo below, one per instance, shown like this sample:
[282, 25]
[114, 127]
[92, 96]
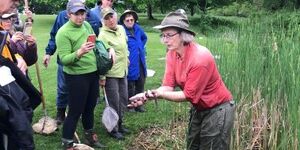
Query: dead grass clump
[161, 138]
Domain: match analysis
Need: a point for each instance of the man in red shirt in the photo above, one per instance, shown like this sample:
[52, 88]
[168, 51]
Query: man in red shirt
[192, 67]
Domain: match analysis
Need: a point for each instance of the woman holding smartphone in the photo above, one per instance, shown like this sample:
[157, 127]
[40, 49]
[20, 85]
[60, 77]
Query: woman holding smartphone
[80, 71]
[23, 45]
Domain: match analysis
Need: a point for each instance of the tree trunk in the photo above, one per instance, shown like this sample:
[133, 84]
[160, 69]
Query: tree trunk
[202, 4]
[161, 6]
[192, 8]
[149, 11]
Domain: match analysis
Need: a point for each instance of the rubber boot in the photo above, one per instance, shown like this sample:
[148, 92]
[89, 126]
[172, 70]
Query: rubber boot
[91, 139]
[67, 144]
[60, 115]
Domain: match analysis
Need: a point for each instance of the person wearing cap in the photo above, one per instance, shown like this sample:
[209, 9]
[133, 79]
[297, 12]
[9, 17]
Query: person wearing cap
[14, 116]
[80, 72]
[25, 45]
[114, 36]
[19, 48]
[193, 69]
[100, 5]
[62, 94]
[137, 39]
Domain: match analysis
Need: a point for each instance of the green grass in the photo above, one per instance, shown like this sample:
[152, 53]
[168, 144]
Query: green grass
[259, 62]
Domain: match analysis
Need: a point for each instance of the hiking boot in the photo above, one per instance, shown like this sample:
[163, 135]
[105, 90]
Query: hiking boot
[60, 115]
[123, 130]
[117, 135]
[91, 139]
[67, 144]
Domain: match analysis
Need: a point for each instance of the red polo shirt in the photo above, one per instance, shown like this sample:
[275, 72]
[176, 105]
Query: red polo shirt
[196, 73]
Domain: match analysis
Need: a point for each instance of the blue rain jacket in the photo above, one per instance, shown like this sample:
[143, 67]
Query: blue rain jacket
[137, 51]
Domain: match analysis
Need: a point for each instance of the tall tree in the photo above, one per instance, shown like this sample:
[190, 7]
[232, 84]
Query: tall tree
[297, 4]
[202, 5]
[147, 5]
[149, 10]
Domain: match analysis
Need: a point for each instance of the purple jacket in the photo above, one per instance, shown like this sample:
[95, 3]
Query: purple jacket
[29, 53]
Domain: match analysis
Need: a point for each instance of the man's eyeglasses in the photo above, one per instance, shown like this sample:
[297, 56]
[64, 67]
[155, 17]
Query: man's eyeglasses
[168, 35]
[129, 20]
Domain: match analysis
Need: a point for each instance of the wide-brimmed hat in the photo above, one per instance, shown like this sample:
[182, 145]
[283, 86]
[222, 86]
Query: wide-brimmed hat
[106, 11]
[133, 13]
[75, 5]
[176, 19]
[6, 16]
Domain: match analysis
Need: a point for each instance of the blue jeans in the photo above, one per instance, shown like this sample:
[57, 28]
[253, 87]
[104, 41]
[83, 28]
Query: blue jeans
[62, 93]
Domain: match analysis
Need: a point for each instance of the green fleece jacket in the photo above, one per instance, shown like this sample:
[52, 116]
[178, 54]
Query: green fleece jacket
[117, 40]
[69, 39]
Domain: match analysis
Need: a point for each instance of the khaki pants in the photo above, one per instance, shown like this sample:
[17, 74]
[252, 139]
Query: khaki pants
[211, 129]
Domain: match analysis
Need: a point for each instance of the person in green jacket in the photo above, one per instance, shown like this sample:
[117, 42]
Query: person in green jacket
[80, 71]
[114, 36]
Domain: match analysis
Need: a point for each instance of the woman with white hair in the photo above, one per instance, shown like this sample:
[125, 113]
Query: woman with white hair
[193, 69]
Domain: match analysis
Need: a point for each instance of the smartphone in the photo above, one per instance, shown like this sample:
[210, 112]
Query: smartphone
[27, 28]
[91, 38]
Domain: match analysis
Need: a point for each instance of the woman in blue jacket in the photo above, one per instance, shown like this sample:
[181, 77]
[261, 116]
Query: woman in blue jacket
[137, 39]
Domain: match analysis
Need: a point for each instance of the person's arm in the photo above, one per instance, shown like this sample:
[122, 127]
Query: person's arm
[143, 37]
[30, 54]
[67, 55]
[51, 47]
[64, 49]
[27, 50]
[168, 93]
[94, 21]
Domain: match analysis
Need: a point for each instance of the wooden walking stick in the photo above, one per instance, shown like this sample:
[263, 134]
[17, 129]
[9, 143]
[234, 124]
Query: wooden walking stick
[46, 125]
[26, 7]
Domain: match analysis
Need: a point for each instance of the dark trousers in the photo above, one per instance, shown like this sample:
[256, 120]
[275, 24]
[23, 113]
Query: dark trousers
[211, 129]
[136, 86]
[15, 117]
[117, 95]
[62, 94]
[83, 91]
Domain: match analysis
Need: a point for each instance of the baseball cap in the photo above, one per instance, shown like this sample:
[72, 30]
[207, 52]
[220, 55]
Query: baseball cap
[106, 11]
[75, 5]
